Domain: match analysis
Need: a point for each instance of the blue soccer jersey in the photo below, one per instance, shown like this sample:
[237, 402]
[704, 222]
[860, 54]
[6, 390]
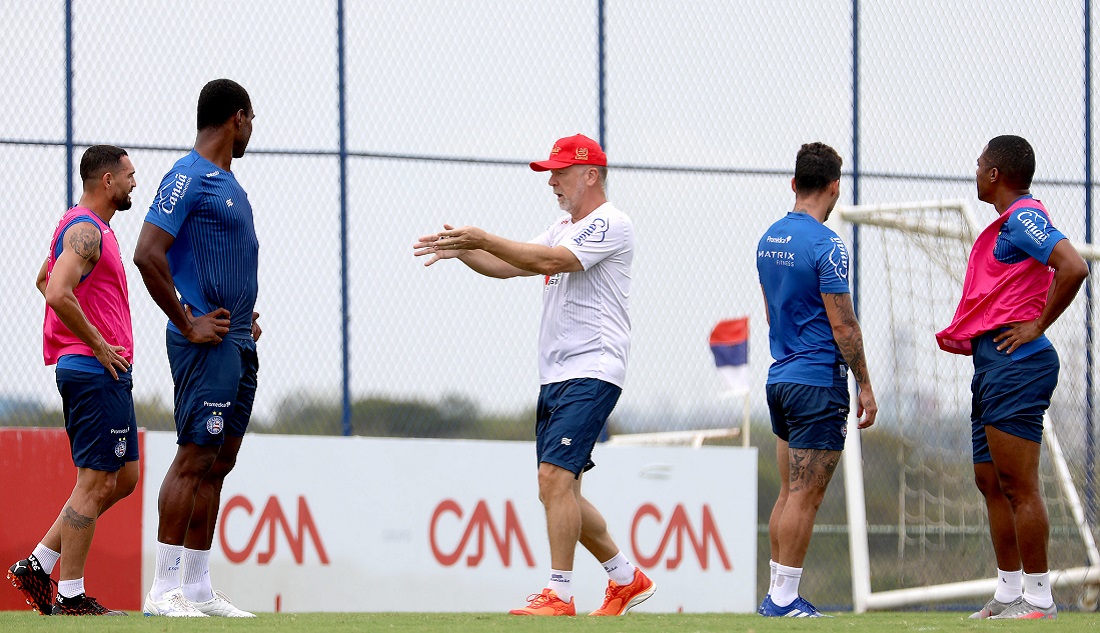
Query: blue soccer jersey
[798, 259]
[1027, 232]
[215, 256]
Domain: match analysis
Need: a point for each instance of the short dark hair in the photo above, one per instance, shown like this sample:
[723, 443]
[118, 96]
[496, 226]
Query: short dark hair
[98, 160]
[219, 100]
[816, 166]
[1014, 158]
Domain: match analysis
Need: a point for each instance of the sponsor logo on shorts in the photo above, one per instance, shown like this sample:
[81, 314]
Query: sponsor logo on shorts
[566, 441]
[120, 448]
[120, 431]
[216, 404]
[215, 424]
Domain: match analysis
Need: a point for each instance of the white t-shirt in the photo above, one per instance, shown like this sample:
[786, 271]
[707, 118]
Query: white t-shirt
[585, 331]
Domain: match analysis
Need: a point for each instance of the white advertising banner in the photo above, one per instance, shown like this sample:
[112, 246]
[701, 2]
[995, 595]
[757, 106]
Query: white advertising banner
[358, 524]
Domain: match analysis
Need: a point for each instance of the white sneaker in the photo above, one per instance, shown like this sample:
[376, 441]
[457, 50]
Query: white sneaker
[220, 606]
[171, 605]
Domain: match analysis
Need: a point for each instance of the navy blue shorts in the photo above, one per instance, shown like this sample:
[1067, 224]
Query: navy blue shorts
[99, 418]
[215, 388]
[1012, 398]
[805, 416]
[569, 418]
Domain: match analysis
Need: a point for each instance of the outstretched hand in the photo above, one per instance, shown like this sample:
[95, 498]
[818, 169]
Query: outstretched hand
[209, 328]
[431, 245]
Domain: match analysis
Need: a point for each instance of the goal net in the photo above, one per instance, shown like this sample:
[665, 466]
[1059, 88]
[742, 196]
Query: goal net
[921, 535]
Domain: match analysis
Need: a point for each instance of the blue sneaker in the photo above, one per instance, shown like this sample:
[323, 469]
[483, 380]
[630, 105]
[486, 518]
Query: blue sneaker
[767, 600]
[800, 608]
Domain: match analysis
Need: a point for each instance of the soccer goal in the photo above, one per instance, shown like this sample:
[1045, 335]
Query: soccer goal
[920, 536]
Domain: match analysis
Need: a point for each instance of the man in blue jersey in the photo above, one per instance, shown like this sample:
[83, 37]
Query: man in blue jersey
[199, 240]
[815, 341]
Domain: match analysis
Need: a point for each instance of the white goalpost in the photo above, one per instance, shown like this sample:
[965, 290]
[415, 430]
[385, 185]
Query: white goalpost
[923, 536]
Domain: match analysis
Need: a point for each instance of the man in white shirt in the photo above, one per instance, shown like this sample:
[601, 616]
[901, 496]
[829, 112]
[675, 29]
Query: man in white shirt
[585, 258]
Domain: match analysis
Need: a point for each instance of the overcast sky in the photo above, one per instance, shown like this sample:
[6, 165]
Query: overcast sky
[723, 85]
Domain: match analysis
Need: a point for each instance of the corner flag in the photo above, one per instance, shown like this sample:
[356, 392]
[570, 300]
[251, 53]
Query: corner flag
[729, 342]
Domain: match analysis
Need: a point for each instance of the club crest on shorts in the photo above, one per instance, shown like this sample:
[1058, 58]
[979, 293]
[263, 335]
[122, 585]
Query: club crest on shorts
[215, 424]
[120, 448]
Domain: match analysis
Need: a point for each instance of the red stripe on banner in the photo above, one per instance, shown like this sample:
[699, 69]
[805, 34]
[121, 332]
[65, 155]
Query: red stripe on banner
[39, 477]
[730, 332]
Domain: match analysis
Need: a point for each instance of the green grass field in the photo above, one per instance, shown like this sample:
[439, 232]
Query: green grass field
[492, 622]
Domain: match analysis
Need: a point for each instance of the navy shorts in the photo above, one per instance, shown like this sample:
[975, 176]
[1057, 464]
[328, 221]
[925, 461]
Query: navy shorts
[569, 418]
[99, 418]
[806, 416]
[1012, 398]
[215, 388]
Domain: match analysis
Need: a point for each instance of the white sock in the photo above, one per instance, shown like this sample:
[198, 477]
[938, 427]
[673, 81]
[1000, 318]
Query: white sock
[70, 588]
[195, 575]
[562, 584]
[46, 557]
[166, 576]
[619, 570]
[1009, 585]
[1037, 590]
[786, 585]
[771, 583]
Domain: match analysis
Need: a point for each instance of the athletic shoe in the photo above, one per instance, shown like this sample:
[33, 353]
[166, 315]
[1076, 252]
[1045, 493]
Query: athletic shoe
[1021, 609]
[35, 584]
[760, 609]
[620, 598]
[546, 603]
[81, 605]
[991, 608]
[800, 608]
[220, 607]
[171, 605]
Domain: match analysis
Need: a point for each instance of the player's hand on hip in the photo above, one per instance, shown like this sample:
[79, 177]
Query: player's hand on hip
[867, 410]
[1016, 335]
[209, 328]
[429, 245]
[110, 356]
[256, 329]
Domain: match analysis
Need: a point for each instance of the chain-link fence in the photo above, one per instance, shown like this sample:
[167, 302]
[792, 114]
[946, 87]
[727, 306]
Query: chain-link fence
[431, 111]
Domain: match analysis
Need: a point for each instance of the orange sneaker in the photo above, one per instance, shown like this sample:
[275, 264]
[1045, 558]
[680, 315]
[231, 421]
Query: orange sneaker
[546, 603]
[620, 598]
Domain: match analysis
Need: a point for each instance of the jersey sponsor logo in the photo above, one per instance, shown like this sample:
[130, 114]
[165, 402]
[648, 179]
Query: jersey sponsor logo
[229, 202]
[598, 228]
[778, 240]
[271, 520]
[838, 257]
[213, 173]
[781, 258]
[678, 528]
[479, 525]
[171, 193]
[1035, 225]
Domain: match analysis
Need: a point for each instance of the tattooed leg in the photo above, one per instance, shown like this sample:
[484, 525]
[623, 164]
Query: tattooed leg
[810, 473]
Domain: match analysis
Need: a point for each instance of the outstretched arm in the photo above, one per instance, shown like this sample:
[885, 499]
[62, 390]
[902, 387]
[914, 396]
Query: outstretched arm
[849, 338]
[151, 259]
[80, 252]
[495, 256]
[1070, 271]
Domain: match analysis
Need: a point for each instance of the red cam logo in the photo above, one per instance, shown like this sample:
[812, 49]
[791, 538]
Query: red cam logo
[271, 519]
[480, 523]
[678, 527]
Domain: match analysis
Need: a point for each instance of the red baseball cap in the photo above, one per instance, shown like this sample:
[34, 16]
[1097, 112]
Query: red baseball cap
[572, 150]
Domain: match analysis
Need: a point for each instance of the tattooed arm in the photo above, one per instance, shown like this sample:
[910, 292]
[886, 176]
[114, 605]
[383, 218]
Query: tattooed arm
[849, 338]
[81, 250]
